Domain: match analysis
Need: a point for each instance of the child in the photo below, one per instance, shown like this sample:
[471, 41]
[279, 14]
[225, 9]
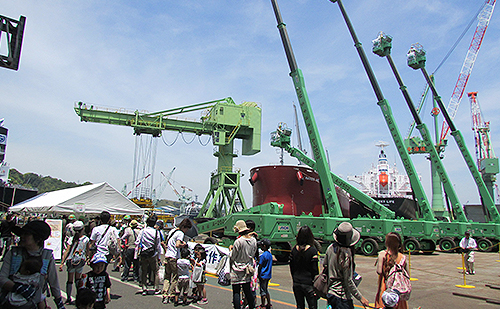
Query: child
[29, 273]
[265, 271]
[98, 281]
[85, 299]
[183, 267]
[200, 261]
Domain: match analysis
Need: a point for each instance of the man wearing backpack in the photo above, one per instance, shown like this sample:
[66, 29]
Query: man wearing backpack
[128, 240]
[149, 243]
[102, 238]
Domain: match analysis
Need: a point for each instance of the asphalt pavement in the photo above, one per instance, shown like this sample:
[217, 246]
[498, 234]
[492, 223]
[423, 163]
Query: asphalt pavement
[437, 275]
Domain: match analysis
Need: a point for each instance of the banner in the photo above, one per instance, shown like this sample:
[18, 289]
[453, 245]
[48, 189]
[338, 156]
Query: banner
[214, 254]
[54, 241]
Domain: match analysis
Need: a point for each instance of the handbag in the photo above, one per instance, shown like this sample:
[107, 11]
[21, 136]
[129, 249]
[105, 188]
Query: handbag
[223, 271]
[149, 252]
[320, 283]
[197, 274]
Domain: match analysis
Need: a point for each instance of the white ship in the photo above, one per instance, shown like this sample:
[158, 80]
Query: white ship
[385, 184]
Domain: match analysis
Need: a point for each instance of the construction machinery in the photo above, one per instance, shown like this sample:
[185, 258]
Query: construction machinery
[14, 31]
[223, 120]
[281, 229]
[158, 191]
[451, 230]
[487, 162]
[415, 145]
[416, 58]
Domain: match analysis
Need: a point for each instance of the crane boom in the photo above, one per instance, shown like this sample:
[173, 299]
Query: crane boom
[486, 160]
[416, 60]
[483, 21]
[225, 121]
[322, 168]
[416, 185]
[382, 47]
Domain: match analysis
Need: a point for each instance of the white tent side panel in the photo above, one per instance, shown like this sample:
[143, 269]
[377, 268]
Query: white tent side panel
[92, 199]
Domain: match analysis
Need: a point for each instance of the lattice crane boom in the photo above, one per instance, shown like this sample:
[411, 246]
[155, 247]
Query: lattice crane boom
[483, 21]
[487, 163]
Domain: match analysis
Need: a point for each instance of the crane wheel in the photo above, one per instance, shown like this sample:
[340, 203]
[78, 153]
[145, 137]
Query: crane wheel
[484, 245]
[411, 244]
[447, 244]
[369, 247]
[427, 246]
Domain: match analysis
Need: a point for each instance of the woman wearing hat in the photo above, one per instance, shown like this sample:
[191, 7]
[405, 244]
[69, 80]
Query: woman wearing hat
[339, 262]
[241, 262]
[75, 257]
[33, 234]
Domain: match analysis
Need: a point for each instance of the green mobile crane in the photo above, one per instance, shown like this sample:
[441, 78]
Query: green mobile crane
[225, 122]
[281, 229]
[418, 191]
[416, 60]
[382, 47]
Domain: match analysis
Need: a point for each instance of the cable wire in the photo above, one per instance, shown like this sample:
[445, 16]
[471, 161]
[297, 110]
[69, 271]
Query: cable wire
[459, 39]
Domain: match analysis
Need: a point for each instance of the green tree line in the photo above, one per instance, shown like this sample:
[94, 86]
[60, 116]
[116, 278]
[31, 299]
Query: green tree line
[41, 183]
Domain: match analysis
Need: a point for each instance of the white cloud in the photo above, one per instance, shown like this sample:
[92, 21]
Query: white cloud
[156, 55]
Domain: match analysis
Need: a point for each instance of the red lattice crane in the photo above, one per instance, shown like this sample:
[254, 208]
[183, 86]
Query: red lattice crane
[487, 163]
[483, 21]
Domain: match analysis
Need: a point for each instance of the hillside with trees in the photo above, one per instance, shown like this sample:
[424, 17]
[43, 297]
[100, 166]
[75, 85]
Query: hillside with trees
[39, 182]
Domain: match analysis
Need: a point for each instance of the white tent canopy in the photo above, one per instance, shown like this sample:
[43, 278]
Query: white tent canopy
[90, 199]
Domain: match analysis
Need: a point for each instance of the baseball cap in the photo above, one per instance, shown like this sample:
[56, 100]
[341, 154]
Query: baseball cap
[78, 226]
[98, 258]
[265, 242]
[37, 228]
[72, 217]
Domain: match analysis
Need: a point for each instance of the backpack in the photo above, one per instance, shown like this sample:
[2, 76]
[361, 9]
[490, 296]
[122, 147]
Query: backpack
[113, 246]
[79, 256]
[399, 280]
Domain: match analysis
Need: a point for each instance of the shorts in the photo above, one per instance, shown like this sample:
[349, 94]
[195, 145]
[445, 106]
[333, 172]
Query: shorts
[182, 286]
[72, 269]
[264, 284]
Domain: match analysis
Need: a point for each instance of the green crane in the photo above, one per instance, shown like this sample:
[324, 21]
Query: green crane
[281, 138]
[416, 185]
[225, 122]
[416, 60]
[332, 202]
[382, 46]
[14, 32]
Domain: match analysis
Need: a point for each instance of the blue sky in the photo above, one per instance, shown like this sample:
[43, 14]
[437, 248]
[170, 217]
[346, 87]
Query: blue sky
[155, 55]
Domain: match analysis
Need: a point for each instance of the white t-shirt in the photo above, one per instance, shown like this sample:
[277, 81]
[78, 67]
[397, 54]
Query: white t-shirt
[183, 266]
[100, 241]
[172, 250]
[468, 243]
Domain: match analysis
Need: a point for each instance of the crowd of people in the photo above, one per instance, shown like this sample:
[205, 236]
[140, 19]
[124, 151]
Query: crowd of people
[29, 269]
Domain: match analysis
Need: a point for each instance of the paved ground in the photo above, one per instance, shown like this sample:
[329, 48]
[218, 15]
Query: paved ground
[437, 276]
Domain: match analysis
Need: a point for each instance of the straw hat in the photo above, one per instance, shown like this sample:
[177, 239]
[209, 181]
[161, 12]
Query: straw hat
[240, 226]
[345, 235]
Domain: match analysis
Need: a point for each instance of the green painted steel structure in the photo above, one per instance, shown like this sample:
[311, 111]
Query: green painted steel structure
[225, 121]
